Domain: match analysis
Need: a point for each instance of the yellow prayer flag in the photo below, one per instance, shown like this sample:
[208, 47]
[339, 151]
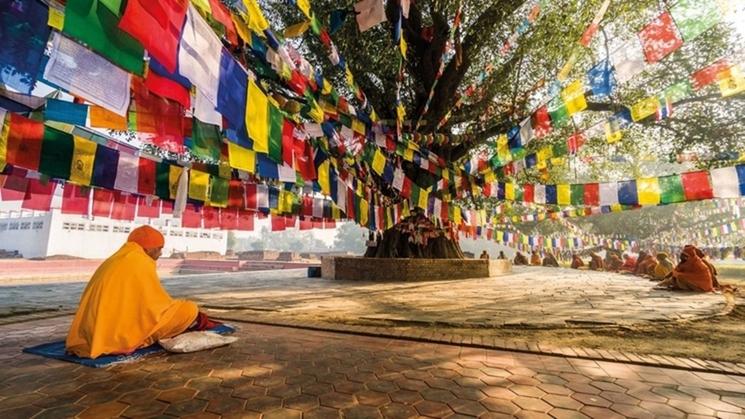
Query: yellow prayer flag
[358, 126]
[297, 29]
[616, 208]
[400, 112]
[446, 174]
[645, 108]
[563, 194]
[199, 185]
[409, 154]
[304, 6]
[257, 118]
[327, 87]
[174, 175]
[613, 133]
[323, 177]
[56, 18]
[378, 163]
[83, 155]
[567, 68]
[350, 77]
[364, 211]
[285, 202]
[4, 131]
[509, 191]
[241, 158]
[733, 84]
[490, 177]
[104, 118]
[544, 153]
[648, 190]
[457, 217]
[203, 6]
[423, 199]
[240, 26]
[254, 17]
[405, 212]
[403, 46]
[574, 97]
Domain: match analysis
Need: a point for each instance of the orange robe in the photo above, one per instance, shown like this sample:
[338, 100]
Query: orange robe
[124, 307]
[535, 259]
[694, 273]
[646, 266]
[577, 262]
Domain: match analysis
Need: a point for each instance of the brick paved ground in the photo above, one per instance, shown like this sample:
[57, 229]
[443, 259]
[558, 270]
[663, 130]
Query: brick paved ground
[289, 373]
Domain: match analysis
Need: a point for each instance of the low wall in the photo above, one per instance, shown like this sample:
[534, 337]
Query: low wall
[374, 269]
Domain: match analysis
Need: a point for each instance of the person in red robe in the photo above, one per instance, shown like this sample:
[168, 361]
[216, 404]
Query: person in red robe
[691, 274]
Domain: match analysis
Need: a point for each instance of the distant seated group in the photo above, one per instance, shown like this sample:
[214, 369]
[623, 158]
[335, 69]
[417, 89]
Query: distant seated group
[694, 272]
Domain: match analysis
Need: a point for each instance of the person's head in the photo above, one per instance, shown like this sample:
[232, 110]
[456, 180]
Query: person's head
[662, 257]
[150, 239]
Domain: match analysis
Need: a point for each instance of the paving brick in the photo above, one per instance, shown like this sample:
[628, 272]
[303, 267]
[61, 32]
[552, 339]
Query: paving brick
[433, 409]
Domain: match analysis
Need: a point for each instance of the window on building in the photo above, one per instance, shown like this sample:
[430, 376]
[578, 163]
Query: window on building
[38, 225]
[191, 234]
[3, 227]
[205, 235]
[13, 226]
[217, 236]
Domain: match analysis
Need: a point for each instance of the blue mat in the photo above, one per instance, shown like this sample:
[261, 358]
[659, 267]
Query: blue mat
[56, 350]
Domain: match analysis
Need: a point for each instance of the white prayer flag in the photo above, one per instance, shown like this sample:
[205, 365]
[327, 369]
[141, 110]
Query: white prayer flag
[369, 13]
[199, 55]
[628, 60]
[608, 193]
[262, 196]
[127, 173]
[539, 194]
[725, 182]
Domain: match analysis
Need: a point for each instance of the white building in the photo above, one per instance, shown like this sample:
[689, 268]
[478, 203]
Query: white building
[42, 234]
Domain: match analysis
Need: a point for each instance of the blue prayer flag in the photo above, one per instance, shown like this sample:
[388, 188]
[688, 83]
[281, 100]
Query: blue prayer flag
[104, 167]
[231, 92]
[551, 194]
[741, 177]
[67, 112]
[273, 197]
[601, 79]
[266, 167]
[513, 137]
[24, 33]
[627, 193]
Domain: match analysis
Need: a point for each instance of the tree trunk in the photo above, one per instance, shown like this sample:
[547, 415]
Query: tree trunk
[416, 237]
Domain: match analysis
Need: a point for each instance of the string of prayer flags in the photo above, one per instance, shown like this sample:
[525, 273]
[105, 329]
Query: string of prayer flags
[574, 97]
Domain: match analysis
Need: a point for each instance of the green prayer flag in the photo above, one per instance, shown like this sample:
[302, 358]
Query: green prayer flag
[56, 153]
[558, 112]
[560, 149]
[679, 91]
[577, 194]
[219, 192]
[694, 17]
[205, 140]
[114, 5]
[93, 23]
[671, 189]
[276, 123]
[162, 180]
[519, 193]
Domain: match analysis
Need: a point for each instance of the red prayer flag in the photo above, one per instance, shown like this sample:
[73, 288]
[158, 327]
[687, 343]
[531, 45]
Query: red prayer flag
[166, 207]
[124, 206]
[75, 199]
[191, 218]
[304, 159]
[350, 204]
[317, 223]
[148, 211]
[697, 185]
[307, 206]
[222, 15]
[588, 34]
[211, 217]
[327, 224]
[529, 192]
[14, 186]
[24, 142]
[168, 89]
[38, 195]
[278, 223]
[245, 220]
[575, 142]
[306, 224]
[236, 194]
[288, 142]
[102, 202]
[251, 199]
[290, 221]
[541, 122]
[659, 38]
[708, 74]
[229, 219]
[157, 25]
[160, 116]
[146, 176]
[591, 195]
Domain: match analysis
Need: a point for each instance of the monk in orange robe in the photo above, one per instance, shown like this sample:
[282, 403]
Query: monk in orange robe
[646, 265]
[629, 263]
[124, 306]
[577, 262]
[614, 263]
[535, 258]
[596, 262]
[691, 274]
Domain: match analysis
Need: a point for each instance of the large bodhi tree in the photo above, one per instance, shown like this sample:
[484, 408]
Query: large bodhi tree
[518, 82]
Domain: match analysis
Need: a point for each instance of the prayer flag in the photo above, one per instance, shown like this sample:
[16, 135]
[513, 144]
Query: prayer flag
[552, 195]
[563, 194]
[276, 126]
[86, 74]
[24, 31]
[231, 93]
[649, 191]
[378, 163]
[693, 17]
[148, 207]
[323, 177]
[257, 118]
[575, 142]
[229, 219]
[541, 122]
[627, 193]
[526, 130]
[645, 108]
[608, 193]
[167, 88]
[56, 154]
[659, 38]
[157, 25]
[558, 112]
[577, 194]
[95, 25]
[67, 112]
[574, 97]
[162, 184]
[601, 79]
[199, 55]
[726, 182]
[24, 142]
[613, 131]
[75, 199]
[628, 61]
[591, 194]
[192, 217]
[219, 192]
[696, 185]
[146, 176]
[709, 74]
[370, 13]
[124, 206]
[254, 17]
[84, 153]
[678, 91]
[103, 118]
[199, 185]
[266, 168]
[104, 167]
[241, 158]
[38, 195]
[210, 217]
[671, 189]
[731, 82]
[205, 140]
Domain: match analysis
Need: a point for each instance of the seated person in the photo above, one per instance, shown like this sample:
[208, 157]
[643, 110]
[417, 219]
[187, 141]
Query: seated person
[535, 258]
[550, 261]
[501, 255]
[614, 263]
[664, 267]
[577, 261]
[596, 262]
[520, 259]
[646, 265]
[484, 255]
[691, 274]
[124, 306]
[629, 263]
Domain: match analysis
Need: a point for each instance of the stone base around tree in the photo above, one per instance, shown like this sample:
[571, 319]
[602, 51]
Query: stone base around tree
[381, 269]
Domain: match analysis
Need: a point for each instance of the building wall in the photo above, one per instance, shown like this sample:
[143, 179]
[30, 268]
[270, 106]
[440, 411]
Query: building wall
[54, 233]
